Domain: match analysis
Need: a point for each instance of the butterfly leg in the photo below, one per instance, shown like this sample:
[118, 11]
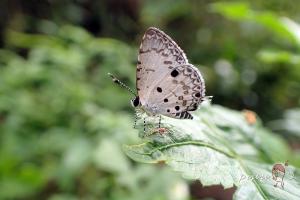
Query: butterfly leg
[160, 130]
[159, 122]
[135, 119]
[144, 126]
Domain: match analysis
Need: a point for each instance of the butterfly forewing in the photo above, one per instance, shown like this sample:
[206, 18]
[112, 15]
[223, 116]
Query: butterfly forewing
[158, 55]
[166, 83]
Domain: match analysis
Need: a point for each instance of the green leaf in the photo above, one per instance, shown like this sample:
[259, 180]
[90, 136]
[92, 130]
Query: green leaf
[292, 27]
[289, 123]
[278, 56]
[219, 146]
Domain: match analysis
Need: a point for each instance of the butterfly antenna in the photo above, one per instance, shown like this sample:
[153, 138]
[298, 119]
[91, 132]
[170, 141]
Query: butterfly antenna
[117, 81]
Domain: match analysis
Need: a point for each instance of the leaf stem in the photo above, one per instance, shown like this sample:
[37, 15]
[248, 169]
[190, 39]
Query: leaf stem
[198, 143]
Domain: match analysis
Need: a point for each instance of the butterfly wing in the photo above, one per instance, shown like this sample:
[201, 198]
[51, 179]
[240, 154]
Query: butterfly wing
[179, 91]
[158, 54]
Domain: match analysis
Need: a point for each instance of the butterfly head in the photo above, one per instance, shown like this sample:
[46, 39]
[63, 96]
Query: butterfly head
[136, 102]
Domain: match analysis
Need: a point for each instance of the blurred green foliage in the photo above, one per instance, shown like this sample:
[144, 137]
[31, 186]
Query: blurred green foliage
[62, 121]
[59, 132]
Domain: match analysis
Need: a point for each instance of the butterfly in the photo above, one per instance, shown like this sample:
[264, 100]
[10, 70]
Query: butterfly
[167, 84]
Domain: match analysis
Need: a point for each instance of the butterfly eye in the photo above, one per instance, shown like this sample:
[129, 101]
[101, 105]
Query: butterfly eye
[135, 102]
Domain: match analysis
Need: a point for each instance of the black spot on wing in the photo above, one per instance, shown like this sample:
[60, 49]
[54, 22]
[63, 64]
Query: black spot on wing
[174, 73]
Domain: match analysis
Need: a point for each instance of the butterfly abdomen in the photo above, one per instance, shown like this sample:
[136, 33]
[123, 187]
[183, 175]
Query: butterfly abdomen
[184, 115]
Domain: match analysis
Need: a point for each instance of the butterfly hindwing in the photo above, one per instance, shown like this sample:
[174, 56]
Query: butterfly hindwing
[179, 91]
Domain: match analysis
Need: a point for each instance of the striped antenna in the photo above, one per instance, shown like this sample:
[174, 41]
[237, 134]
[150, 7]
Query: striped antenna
[117, 81]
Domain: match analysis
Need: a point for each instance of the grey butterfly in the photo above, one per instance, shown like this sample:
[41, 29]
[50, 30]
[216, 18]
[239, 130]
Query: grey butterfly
[166, 83]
